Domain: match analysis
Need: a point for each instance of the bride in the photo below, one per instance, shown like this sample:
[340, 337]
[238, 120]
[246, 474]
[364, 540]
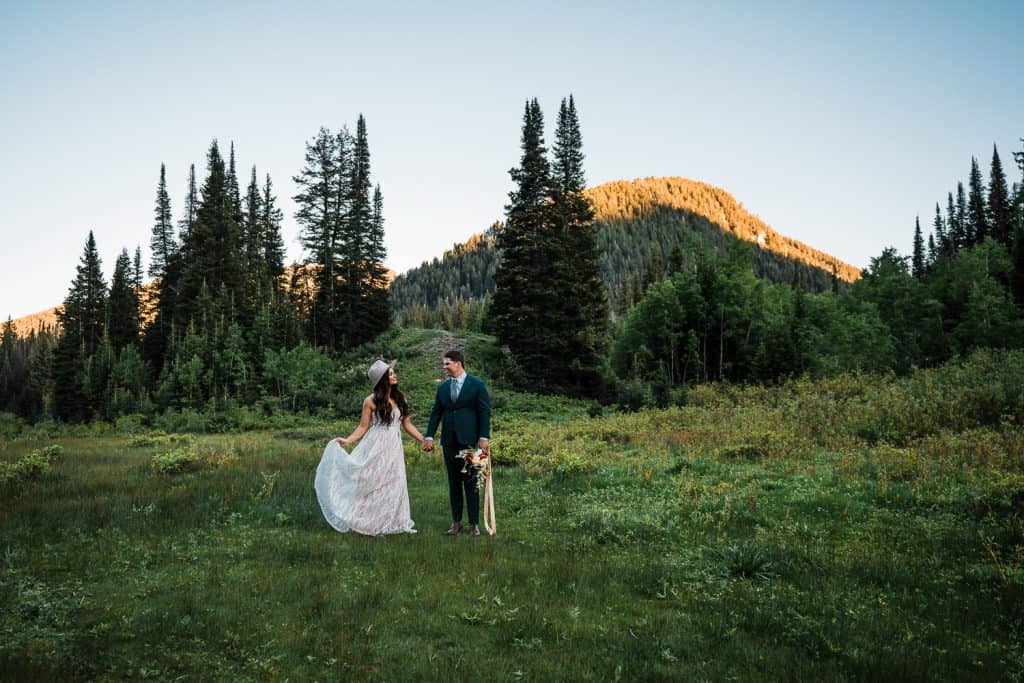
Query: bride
[365, 490]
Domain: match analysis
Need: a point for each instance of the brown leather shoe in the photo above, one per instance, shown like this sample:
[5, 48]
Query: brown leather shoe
[454, 529]
[474, 530]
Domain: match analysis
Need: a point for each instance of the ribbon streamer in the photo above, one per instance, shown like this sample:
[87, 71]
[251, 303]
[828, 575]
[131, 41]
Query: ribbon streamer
[492, 526]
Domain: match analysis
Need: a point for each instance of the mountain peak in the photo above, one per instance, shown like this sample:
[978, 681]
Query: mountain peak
[624, 200]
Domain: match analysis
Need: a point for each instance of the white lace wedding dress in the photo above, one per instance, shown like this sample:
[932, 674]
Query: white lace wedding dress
[365, 491]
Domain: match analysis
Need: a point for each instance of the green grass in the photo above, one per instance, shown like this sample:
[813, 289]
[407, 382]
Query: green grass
[731, 539]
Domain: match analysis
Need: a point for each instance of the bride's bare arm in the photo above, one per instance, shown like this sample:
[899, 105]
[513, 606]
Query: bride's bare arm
[410, 428]
[364, 423]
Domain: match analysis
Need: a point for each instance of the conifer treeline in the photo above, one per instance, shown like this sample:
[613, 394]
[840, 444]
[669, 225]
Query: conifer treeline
[228, 323]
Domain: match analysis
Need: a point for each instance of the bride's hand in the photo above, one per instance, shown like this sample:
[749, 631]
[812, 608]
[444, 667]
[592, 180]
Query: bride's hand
[343, 442]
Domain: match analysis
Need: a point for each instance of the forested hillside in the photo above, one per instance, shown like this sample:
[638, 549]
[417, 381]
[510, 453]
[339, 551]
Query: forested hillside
[644, 225]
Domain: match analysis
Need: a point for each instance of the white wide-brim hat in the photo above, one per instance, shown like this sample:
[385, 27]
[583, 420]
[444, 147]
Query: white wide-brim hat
[379, 369]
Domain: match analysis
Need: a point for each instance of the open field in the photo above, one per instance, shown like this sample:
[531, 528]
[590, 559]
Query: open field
[859, 528]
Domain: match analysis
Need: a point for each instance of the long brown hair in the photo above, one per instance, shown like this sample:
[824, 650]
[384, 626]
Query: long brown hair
[382, 406]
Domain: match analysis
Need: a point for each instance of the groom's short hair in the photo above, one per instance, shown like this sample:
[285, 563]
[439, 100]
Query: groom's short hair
[456, 356]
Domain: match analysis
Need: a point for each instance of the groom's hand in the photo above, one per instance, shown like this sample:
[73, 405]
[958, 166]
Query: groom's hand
[485, 446]
[428, 445]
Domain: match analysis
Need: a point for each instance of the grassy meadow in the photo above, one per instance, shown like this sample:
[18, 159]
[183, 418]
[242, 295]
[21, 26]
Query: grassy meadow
[856, 528]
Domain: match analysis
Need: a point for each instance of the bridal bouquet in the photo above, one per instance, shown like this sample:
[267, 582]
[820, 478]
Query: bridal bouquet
[474, 463]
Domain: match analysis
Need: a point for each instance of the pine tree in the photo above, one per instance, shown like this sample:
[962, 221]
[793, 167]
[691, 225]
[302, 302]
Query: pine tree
[85, 305]
[212, 243]
[917, 260]
[933, 253]
[137, 268]
[965, 233]
[321, 186]
[81, 332]
[157, 336]
[954, 223]
[234, 197]
[122, 305]
[378, 302]
[977, 219]
[270, 224]
[255, 265]
[1000, 210]
[519, 312]
[583, 303]
[364, 321]
[188, 217]
[162, 244]
[942, 245]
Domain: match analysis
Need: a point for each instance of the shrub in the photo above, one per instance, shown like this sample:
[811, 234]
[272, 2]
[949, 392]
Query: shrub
[31, 466]
[634, 395]
[184, 459]
[129, 425]
[509, 449]
[157, 438]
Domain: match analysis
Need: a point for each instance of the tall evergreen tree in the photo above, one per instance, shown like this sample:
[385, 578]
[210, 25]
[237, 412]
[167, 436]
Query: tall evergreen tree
[583, 306]
[212, 243]
[191, 206]
[519, 312]
[964, 237]
[122, 305]
[355, 263]
[157, 339]
[933, 252]
[85, 305]
[942, 245]
[376, 282]
[257, 278]
[953, 231]
[234, 196]
[162, 244]
[1000, 210]
[81, 331]
[917, 260]
[252, 231]
[977, 214]
[137, 268]
[270, 223]
[321, 183]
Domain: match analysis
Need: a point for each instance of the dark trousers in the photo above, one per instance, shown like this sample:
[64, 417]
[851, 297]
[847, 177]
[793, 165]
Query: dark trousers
[460, 486]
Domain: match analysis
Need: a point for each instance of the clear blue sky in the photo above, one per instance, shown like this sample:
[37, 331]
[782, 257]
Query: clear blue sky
[835, 122]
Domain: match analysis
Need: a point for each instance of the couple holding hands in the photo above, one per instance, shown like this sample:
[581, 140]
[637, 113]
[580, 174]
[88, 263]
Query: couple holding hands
[365, 490]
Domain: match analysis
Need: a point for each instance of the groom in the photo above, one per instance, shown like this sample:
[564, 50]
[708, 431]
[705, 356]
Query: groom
[465, 407]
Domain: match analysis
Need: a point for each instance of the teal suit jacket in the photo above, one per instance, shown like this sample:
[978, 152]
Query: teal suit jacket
[465, 421]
